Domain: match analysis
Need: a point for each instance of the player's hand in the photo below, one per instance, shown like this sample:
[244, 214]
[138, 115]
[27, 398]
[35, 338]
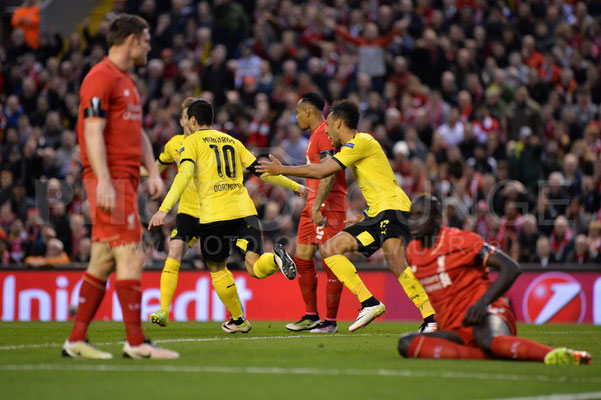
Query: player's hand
[105, 195]
[355, 219]
[157, 219]
[475, 314]
[303, 191]
[156, 187]
[269, 167]
[318, 218]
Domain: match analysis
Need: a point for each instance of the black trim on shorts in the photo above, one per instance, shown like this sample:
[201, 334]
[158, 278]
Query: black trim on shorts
[187, 229]
[218, 237]
[372, 232]
[339, 162]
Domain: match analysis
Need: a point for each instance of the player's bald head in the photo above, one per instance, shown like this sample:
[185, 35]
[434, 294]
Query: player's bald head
[429, 202]
[425, 217]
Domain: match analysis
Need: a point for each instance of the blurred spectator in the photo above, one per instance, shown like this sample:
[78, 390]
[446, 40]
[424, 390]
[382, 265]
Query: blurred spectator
[580, 253]
[55, 256]
[27, 18]
[544, 255]
[561, 238]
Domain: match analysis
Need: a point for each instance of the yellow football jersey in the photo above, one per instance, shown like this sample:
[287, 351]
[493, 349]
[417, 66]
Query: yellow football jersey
[189, 202]
[373, 173]
[219, 161]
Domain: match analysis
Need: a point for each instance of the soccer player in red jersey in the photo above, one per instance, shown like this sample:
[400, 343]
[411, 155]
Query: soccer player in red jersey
[113, 146]
[322, 218]
[475, 322]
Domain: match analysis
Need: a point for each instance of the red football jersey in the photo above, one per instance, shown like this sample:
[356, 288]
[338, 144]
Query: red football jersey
[318, 144]
[450, 273]
[110, 93]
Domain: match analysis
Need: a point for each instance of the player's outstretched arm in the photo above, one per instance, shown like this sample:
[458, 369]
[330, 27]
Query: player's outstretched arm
[183, 177]
[509, 270]
[279, 180]
[316, 171]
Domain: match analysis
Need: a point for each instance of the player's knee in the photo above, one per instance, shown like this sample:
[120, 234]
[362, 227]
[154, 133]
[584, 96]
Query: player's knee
[405, 342]
[327, 250]
[176, 249]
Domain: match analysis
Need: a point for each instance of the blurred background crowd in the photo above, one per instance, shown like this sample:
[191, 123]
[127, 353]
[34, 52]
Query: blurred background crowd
[491, 105]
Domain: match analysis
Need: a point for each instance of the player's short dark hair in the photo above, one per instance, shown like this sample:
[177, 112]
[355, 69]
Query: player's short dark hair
[347, 111]
[123, 26]
[314, 99]
[202, 110]
[430, 202]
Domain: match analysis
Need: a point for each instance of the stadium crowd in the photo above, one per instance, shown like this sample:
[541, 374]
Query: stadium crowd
[492, 106]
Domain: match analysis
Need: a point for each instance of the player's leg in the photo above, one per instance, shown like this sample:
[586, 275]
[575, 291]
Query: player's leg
[335, 223]
[332, 254]
[395, 236]
[496, 336]
[183, 236]
[91, 294]
[129, 260]
[258, 264]
[225, 287]
[307, 281]
[439, 344]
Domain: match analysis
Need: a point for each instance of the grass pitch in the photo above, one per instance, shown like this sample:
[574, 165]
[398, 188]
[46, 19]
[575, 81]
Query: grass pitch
[271, 363]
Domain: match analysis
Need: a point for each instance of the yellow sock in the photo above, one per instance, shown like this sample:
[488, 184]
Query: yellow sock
[416, 292]
[265, 266]
[168, 282]
[223, 282]
[347, 274]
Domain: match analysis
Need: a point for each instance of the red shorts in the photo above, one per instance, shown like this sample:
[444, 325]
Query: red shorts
[122, 226]
[309, 233]
[501, 308]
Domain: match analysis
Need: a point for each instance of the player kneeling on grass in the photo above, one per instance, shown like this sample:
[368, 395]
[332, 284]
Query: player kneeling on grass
[186, 229]
[474, 321]
[213, 162]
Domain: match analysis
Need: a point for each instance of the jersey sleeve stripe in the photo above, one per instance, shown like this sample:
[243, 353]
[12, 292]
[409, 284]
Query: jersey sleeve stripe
[490, 253]
[187, 159]
[163, 162]
[339, 162]
[326, 153]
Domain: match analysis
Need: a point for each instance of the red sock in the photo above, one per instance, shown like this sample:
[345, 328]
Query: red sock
[333, 292]
[431, 347]
[90, 296]
[129, 292]
[307, 280]
[517, 348]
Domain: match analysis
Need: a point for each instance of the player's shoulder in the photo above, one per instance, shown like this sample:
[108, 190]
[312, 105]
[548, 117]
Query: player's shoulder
[100, 70]
[176, 140]
[461, 239]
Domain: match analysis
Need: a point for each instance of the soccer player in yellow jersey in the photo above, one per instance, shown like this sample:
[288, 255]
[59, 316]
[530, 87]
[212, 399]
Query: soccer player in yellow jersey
[383, 224]
[214, 162]
[187, 227]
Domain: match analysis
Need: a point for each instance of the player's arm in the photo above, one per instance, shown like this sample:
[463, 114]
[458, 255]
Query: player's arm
[182, 179]
[508, 269]
[315, 171]
[93, 127]
[156, 188]
[325, 185]
[279, 180]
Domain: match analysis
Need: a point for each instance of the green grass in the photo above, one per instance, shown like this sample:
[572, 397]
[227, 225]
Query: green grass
[271, 363]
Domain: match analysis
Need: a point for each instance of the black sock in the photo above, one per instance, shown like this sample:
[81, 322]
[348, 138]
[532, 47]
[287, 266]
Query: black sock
[429, 318]
[311, 317]
[372, 301]
[329, 322]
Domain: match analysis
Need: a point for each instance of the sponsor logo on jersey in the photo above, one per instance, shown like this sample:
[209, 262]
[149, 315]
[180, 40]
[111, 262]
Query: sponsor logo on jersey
[554, 297]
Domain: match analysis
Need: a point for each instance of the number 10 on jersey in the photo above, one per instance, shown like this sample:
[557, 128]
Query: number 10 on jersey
[225, 156]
